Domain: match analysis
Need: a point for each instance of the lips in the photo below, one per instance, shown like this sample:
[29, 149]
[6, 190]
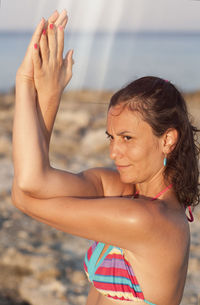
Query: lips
[118, 166]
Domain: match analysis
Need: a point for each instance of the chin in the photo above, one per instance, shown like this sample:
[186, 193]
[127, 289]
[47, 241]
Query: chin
[127, 179]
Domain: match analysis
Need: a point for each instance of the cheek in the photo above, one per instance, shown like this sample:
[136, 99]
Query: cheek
[153, 156]
[136, 153]
[144, 154]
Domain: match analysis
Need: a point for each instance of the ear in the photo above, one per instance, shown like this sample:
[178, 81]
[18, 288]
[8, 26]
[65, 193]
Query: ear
[170, 139]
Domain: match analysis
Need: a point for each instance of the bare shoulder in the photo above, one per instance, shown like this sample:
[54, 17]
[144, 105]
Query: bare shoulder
[158, 221]
[167, 222]
[108, 182]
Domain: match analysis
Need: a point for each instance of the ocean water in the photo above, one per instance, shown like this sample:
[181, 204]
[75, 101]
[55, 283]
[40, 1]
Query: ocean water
[110, 60]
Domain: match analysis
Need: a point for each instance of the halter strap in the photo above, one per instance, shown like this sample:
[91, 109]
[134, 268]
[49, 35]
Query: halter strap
[159, 194]
[162, 192]
[190, 218]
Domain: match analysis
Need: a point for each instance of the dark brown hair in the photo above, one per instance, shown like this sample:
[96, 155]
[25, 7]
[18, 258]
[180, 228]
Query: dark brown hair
[162, 106]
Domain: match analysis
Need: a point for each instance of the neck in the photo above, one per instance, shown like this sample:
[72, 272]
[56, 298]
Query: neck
[153, 186]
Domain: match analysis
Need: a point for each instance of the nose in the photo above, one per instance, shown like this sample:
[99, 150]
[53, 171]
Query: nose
[115, 150]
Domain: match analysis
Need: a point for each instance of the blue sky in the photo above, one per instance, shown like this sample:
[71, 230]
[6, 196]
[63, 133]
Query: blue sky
[105, 15]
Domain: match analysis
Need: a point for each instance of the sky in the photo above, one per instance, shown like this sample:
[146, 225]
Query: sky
[104, 15]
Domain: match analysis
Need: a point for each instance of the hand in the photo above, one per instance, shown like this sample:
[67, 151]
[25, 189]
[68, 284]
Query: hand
[25, 71]
[51, 72]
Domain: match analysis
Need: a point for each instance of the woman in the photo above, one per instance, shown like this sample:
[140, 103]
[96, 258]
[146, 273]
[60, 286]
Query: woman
[136, 214]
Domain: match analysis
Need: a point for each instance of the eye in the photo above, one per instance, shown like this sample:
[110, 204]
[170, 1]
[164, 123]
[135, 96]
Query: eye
[127, 138]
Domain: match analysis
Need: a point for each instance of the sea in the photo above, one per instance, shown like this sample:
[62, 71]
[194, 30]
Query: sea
[108, 61]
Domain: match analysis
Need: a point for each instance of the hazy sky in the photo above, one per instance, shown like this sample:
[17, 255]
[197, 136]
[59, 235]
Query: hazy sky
[112, 15]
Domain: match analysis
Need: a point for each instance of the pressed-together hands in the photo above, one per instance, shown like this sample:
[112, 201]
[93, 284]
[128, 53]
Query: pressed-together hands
[51, 72]
[43, 63]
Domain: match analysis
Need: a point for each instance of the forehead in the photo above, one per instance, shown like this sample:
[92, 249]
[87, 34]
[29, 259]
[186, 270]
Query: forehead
[120, 119]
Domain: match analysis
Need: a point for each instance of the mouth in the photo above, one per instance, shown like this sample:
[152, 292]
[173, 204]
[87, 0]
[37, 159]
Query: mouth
[119, 167]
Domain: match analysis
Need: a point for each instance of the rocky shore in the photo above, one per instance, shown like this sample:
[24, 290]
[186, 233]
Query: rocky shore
[40, 265]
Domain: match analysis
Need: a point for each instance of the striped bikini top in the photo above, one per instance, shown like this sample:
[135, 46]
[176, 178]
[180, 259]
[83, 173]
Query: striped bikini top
[113, 275]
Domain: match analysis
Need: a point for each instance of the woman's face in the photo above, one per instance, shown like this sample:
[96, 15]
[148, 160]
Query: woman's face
[137, 152]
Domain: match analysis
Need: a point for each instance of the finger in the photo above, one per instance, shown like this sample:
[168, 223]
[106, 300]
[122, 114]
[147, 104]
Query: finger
[52, 41]
[56, 46]
[53, 17]
[68, 62]
[33, 45]
[44, 49]
[60, 41]
[36, 57]
[60, 35]
[61, 18]
[37, 34]
[44, 40]
[63, 24]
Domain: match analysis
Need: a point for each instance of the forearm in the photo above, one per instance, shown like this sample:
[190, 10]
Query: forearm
[47, 108]
[30, 146]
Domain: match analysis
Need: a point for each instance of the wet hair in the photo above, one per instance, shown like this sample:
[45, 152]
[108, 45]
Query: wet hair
[163, 107]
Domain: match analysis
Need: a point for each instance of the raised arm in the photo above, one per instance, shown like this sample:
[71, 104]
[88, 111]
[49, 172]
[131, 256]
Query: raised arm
[30, 149]
[39, 83]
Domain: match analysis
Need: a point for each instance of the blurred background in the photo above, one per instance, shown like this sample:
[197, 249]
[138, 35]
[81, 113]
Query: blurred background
[114, 42]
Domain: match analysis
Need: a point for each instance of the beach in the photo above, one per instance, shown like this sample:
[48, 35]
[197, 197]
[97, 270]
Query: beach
[40, 265]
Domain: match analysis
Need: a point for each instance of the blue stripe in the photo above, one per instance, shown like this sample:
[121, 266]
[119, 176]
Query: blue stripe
[149, 302]
[93, 260]
[116, 280]
[92, 264]
[103, 257]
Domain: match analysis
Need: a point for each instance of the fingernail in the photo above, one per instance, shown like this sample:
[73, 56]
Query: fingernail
[44, 32]
[35, 46]
[51, 26]
[60, 27]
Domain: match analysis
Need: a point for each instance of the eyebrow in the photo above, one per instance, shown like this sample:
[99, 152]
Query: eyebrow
[121, 133]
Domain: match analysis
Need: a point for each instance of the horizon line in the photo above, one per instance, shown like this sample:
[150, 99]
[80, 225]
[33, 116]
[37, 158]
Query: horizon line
[144, 31]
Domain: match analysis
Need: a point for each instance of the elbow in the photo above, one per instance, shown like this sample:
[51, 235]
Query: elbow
[20, 199]
[17, 198]
[31, 187]
[25, 186]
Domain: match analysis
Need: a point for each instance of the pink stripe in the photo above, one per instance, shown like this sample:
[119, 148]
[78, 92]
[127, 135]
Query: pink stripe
[104, 270]
[117, 288]
[117, 298]
[121, 298]
[89, 253]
